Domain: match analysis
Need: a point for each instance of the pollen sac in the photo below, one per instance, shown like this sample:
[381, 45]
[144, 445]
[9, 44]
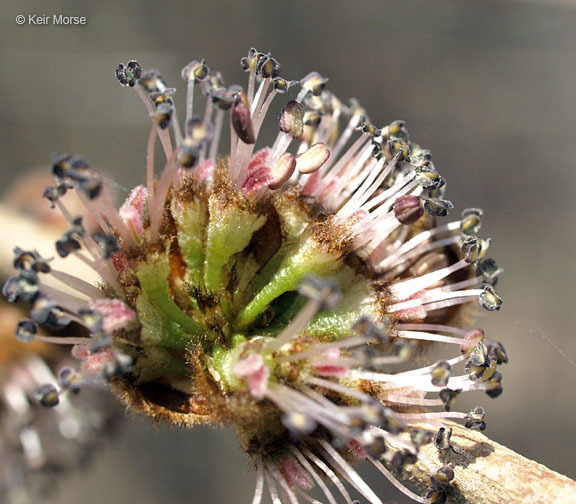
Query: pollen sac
[472, 249]
[312, 159]
[497, 352]
[188, 154]
[323, 290]
[400, 149]
[248, 63]
[129, 74]
[442, 438]
[444, 475]
[44, 311]
[21, 287]
[283, 86]
[396, 129]
[152, 82]
[47, 395]
[222, 98]
[242, 122]
[420, 437]
[108, 243]
[448, 397]
[490, 271]
[437, 207]
[68, 165]
[408, 209]
[282, 170]
[471, 221]
[23, 258]
[429, 262]
[494, 386]
[369, 330]
[314, 83]
[376, 447]
[92, 319]
[489, 300]
[471, 341]
[402, 458]
[163, 114]
[54, 193]
[292, 119]
[298, 423]
[267, 67]
[370, 129]
[441, 373]
[196, 71]
[70, 379]
[119, 366]
[67, 244]
[475, 419]
[26, 330]
[165, 96]
[429, 178]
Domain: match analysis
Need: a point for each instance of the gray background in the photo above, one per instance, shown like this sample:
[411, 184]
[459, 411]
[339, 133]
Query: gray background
[488, 86]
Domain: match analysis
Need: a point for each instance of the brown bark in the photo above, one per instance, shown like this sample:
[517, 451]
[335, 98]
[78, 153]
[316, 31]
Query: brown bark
[489, 473]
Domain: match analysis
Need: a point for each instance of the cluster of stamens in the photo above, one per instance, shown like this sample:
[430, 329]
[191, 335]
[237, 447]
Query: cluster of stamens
[282, 291]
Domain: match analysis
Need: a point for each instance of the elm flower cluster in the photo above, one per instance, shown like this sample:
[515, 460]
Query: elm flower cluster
[282, 290]
[37, 445]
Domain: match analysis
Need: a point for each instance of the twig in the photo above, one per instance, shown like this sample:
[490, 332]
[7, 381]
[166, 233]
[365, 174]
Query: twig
[489, 473]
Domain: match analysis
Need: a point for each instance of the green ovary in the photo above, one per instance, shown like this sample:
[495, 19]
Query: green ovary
[212, 291]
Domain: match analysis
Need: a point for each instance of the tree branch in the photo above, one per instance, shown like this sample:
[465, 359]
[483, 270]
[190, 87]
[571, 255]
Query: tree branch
[489, 473]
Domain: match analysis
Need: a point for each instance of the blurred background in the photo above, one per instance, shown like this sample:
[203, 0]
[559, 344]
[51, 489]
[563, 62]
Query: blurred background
[488, 86]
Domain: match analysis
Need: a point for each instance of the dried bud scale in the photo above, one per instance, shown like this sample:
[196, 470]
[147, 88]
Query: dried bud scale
[271, 290]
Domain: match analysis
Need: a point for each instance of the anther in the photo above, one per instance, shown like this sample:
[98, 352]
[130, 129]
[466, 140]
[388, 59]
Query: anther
[282, 170]
[475, 419]
[497, 352]
[314, 82]
[489, 270]
[312, 159]
[26, 330]
[408, 209]
[163, 114]
[70, 379]
[21, 287]
[429, 178]
[196, 71]
[129, 74]
[47, 395]
[292, 119]
[420, 437]
[282, 85]
[369, 330]
[242, 120]
[489, 300]
[323, 290]
[268, 66]
[298, 423]
[44, 311]
[441, 373]
[152, 82]
[367, 127]
[108, 243]
[249, 62]
[31, 258]
[437, 207]
[471, 341]
[472, 249]
[471, 221]
[442, 438]
[448, 397]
